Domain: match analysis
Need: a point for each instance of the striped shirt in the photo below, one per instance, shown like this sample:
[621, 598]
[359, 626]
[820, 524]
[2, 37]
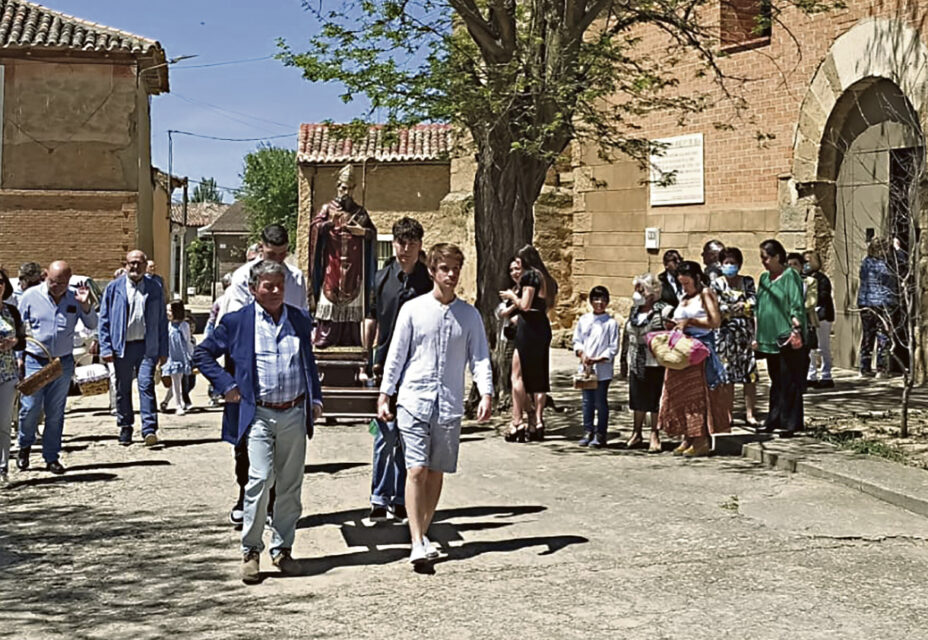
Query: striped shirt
[277, 356]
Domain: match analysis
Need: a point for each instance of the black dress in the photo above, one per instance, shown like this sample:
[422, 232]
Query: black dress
[533, 338]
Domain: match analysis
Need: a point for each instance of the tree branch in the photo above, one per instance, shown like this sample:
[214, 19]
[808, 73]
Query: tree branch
[479, 29]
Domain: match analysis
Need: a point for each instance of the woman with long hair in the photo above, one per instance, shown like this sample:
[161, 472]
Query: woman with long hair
[508, 316]
[530, 378]
[696, 401]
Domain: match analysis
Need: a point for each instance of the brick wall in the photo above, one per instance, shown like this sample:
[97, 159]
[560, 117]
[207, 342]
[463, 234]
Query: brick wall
[92, 230]
[746, 167]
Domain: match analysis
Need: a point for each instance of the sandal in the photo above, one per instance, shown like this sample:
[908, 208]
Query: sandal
[538, 433]
[655, 444]
[516, 433]
[635, 441]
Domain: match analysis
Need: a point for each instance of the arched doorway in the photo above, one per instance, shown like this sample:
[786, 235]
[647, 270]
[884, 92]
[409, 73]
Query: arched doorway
[874, 148]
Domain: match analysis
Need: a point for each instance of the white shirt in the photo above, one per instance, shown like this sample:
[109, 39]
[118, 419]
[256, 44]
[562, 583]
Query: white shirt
[135, 314]
[239, 295]
[432, 345]
[597, 336]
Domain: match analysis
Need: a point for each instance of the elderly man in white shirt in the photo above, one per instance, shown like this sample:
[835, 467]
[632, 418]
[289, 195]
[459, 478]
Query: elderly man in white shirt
[437, 336]
[274, 246]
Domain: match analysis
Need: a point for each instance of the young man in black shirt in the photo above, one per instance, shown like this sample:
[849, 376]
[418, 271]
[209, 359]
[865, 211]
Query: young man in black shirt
[402, 278]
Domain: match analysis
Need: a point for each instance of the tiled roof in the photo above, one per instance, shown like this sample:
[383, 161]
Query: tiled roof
[26, 25]
[235, 219]
[199, 214]
[424, 142]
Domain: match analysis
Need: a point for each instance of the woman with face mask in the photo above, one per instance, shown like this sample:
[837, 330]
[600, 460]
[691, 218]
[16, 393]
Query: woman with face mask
[645, 375]
[737, 296]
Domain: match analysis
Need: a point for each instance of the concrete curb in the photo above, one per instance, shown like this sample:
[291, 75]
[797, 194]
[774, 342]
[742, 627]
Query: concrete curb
[896, 484]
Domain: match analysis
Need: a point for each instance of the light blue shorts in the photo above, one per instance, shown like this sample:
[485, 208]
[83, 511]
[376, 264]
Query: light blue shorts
[429, 444]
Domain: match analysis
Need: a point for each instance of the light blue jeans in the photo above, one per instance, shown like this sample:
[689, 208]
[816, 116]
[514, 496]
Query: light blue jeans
[388, 483]
[52, 397]
[276, 454]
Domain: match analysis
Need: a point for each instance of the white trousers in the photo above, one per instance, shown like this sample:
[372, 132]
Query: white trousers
[823, 353]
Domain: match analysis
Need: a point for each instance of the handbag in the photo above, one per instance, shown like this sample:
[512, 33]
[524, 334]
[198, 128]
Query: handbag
[47, 374]
[676, 350]
[793, 339]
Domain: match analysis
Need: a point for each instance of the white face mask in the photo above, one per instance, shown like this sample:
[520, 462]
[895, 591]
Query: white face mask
[638, 299]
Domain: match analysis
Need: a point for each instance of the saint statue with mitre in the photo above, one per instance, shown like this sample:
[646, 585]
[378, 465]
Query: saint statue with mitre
[343, 261]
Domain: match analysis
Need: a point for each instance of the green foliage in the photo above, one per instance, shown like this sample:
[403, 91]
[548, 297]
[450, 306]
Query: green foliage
[200, 265]
[269, 188]
[206, 191]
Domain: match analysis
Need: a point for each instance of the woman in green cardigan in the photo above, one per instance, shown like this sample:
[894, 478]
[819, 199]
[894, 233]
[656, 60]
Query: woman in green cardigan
[781, 338]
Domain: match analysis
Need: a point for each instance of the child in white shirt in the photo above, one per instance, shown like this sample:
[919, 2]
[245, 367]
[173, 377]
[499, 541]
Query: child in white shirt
[596, 343]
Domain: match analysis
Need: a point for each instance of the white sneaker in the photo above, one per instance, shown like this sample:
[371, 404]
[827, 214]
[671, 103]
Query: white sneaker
[430, 552]
[180, 411]
[418, 554]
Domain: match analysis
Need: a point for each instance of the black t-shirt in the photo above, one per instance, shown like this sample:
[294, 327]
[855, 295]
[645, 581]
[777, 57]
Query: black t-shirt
[392, 289]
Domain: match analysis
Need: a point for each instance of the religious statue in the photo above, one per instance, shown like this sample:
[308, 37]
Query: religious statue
[343, 262]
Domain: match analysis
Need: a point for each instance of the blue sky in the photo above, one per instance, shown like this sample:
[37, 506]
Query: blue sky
[252, 99]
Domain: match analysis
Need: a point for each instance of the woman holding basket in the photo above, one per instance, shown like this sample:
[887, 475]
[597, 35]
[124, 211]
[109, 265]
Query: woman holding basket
[695, 400]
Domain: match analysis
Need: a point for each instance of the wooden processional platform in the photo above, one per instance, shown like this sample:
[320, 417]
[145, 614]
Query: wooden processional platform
[346, 398]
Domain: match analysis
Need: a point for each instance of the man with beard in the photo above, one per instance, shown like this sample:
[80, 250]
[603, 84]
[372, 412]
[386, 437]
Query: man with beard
[343, 262]
[134, 337]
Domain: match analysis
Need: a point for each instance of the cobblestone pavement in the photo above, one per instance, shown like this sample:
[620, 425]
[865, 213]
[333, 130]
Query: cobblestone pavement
[541, 540]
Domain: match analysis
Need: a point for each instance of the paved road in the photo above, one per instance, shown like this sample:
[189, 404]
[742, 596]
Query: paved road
[542, 541]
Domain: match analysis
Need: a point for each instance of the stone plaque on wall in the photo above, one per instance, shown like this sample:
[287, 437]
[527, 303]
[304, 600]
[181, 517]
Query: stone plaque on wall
[681, 156]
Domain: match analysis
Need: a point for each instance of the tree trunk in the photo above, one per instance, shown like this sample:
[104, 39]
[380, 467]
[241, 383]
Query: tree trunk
[506, 186]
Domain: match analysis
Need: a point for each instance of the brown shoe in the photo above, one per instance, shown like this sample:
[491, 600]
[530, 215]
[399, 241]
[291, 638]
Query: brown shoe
[250, 568]
[287, 565]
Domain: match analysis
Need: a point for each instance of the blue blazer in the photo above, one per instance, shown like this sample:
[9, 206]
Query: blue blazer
[234, 338]
[114, 309]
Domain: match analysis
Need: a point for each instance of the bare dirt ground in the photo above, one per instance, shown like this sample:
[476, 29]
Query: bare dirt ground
[541, 540]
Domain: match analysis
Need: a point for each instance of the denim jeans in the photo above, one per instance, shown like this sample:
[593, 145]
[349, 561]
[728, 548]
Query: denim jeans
[52, 397]
[873, 329]
[596, 400]
[132, 362]
[388, 483]
[276, 454]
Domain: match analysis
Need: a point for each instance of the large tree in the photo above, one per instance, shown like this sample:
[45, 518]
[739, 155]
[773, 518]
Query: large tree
[269, 188]
[524, 78]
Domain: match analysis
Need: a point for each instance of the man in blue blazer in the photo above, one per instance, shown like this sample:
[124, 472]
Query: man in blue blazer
[272, 401]
[133, 334]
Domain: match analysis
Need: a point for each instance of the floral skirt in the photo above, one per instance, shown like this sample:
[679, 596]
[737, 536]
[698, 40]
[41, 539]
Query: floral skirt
[689, 408]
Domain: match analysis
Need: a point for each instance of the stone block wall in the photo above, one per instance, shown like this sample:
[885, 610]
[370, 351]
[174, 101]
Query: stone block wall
[92, 230]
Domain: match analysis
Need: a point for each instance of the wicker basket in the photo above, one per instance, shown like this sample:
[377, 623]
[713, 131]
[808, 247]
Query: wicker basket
[586, 380]
[50, 372]
[92, 379]
[95, 387]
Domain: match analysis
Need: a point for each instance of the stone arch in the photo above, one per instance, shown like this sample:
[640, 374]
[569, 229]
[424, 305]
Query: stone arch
[865, 109]
[874, 48]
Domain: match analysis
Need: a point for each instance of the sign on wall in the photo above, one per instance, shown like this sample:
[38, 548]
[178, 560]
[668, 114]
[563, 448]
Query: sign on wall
[682, 157]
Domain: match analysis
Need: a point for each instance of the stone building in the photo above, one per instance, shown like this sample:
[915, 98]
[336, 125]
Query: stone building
[408, 175]
[230, 232]
[828, 153]
[76, 179]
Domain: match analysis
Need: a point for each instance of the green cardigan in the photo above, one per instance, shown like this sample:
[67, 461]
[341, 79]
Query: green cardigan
[778, 302]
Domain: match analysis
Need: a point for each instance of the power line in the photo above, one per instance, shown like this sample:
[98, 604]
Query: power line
[224, 111]
[224, 63]
[205, 137]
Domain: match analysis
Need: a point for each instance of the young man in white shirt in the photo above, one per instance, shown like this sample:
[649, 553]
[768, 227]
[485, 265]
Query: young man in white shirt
[436, 337]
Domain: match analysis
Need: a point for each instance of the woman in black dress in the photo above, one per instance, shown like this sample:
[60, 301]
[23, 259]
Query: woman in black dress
[530, 380]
